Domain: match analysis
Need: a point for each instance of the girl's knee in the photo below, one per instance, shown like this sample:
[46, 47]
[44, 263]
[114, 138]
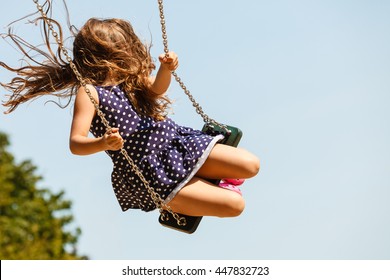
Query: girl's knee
[234, 206]
[252, 166]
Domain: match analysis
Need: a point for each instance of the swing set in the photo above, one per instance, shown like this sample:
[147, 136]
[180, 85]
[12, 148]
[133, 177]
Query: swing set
[232, 135]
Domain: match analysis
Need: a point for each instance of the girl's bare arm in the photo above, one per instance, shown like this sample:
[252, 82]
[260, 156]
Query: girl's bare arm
[79, 142]
[160, 83]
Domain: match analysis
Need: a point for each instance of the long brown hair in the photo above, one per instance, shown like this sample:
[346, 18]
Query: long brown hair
[104, 51]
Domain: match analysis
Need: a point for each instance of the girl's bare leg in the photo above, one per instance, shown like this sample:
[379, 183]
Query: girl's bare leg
[201, 198]
[229, 162]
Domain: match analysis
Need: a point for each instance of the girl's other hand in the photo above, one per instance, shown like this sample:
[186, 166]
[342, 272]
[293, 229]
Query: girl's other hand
[169, 61]
[113, 140]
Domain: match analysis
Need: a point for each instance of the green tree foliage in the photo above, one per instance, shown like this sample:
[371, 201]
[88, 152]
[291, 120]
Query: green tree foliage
[33, 221]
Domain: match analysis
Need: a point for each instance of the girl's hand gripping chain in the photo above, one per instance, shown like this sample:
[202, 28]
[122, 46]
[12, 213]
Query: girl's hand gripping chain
[113, 140]
[169, 61]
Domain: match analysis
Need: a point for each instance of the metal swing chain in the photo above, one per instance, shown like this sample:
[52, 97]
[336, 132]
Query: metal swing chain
[158, 201]
[195, 104]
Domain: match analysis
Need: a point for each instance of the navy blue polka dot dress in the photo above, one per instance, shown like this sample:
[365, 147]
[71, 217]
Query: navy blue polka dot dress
[168, 155]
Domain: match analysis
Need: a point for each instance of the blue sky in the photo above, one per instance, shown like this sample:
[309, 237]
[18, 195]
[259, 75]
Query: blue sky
[306, 81]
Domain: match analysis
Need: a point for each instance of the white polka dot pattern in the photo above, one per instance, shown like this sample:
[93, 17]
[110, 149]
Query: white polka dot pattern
[168, 155]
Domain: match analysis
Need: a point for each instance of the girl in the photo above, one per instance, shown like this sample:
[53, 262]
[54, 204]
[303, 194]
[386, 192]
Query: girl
[176, 160]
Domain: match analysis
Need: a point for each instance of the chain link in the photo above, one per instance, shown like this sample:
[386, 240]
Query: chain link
[195, 104]
[158, 201]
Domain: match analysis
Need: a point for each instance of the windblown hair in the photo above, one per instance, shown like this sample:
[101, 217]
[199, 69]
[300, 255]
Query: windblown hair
[104, 51]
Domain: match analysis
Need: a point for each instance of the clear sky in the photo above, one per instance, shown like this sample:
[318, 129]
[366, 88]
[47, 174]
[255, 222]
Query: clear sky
[308, 82]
